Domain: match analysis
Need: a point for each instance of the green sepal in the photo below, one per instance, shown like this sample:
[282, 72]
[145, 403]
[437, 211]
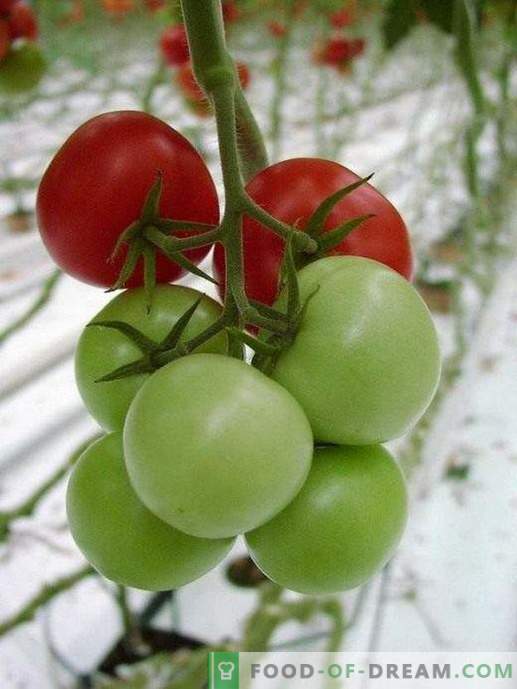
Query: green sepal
[144, 343]
[336, 236]
[317, 220]
[172, 339]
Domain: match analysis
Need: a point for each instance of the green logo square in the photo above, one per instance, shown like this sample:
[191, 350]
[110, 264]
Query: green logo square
[223, 670]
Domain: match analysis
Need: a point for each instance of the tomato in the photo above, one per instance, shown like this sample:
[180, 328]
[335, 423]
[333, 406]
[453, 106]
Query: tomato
[291, 191]
[5, 40]
[118, 7]
[339, 50]
[174, 45]
[5, 6]
[343, 526]
[365, 363]
[276, 28]
[22, 69]
[120, 537]
[155, 5]
[341, 18]
[96, 185]
[214, 447]
[103, 350]
[23, 22]
[231, 13]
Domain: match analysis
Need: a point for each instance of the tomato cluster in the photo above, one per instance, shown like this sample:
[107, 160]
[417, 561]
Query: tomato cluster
[175, 53]
[200, 446]
[21, 62]
[339, 52]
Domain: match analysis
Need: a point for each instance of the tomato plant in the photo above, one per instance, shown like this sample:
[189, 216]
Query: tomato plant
[342, 527]
[194, 94]
[214, 447]
[365, 362]
[96, 186]
[291, 191]
[120, 537]
[102, 350]
[174, 45]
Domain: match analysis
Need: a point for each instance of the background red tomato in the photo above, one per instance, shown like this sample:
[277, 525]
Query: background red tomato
[174, 45]
[5, 6]
[5, 41]
[23, 22]
[291, 191]
[194, 94]
[97, 183]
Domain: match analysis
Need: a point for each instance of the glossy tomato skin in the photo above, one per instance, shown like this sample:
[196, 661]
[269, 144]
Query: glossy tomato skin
[23, 22]
[365, 363]
[103, 350]
[96, 185]
[214, 447]
[343, 526]
[120, 537]
[174, 45]
[291, 191]
[5, 40]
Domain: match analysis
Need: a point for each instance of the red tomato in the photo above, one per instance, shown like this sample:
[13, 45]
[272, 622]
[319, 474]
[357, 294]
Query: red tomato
[23, 22]
[244, 74]
[174, 45]
[154, 5]
[5, 6]
[341, 18]
[5, 40]
[276, 29]
[96, 186]
[291, 191]
[118, 7]
[231, 13]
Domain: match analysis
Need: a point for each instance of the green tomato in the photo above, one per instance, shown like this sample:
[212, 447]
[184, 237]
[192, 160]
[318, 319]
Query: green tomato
[22, 69]
[102, 350]
[342, 527]
[120, 537]
[214, 447]
[365, 363]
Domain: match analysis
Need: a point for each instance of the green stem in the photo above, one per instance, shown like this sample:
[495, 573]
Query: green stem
[47, 593]
[252, 150]
[27, 508]
[280, 76]
[41, 301]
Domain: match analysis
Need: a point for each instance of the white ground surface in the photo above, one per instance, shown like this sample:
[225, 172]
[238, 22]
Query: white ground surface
[453, 583]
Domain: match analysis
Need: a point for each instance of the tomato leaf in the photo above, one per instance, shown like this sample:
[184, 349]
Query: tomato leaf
[318, 218]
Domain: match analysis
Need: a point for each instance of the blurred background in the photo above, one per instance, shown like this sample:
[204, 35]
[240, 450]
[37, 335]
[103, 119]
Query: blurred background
[391, 87]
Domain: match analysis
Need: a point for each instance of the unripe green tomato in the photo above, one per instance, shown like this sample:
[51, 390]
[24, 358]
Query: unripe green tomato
[343, 526]
[365, 363]
[22, 69]
[102, 350]
[120, 537]
[214, 447]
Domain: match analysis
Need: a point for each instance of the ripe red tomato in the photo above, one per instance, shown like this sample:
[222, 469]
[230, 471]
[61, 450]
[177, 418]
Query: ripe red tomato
[5, 6]
[341, 18]
[276, 29]
[174, 45]
[154, 5]
[5, 41]
[23, 22]
[231, 13]
[291, 191]
[96, 186]
[118, 8]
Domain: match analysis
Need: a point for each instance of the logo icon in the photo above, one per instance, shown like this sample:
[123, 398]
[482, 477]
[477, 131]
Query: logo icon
[223, 670]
